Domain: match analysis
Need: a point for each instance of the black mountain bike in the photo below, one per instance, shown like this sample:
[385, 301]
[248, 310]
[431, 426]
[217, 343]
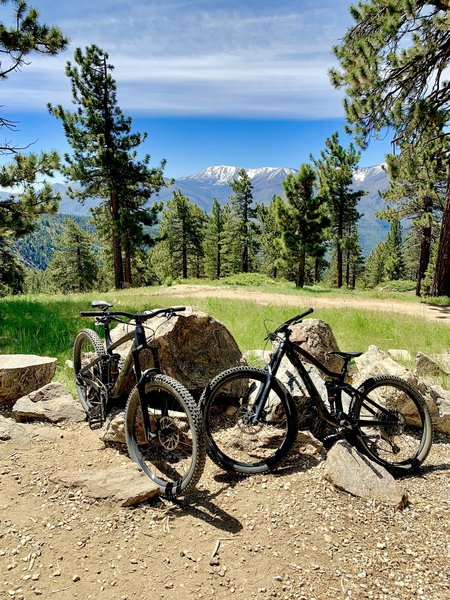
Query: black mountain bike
[251, 418]
[163, 423]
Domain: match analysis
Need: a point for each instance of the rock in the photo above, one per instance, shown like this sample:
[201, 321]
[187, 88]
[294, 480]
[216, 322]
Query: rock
[349, 470]
[127, 484]
[193, 347]
[52, 402]
[400, 354]
[441, 397]
[114, 430]
[21, 374]
[12, 431]
[375, 362]
[426, 366]
[317, 338]
[306, 443]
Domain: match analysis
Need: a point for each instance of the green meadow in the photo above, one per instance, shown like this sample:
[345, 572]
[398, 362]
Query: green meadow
[47, 324]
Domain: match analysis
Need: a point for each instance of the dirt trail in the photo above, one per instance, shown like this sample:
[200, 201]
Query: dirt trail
[288, 535]
[438, 313]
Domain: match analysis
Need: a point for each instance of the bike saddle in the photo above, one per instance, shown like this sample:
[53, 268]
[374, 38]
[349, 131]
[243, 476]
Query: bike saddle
[345, 355]
[100, 304]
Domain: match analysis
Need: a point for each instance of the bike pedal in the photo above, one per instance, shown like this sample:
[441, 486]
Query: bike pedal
[95, 423]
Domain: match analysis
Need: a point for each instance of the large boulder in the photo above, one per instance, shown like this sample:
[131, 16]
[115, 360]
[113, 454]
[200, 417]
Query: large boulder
[376, 362]
[21, 374]
[317, 338]
[192, 347]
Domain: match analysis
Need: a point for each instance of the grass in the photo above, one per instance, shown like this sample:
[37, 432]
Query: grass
[47, 325]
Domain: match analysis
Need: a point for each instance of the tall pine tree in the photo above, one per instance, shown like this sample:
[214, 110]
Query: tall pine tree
[302, 220]
[104, 160]
[30, 196]
[243, 224]
[335, 173]
[393, 62]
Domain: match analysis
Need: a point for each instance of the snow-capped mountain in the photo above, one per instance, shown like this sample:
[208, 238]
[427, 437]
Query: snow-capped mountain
[214, 182]
[223, 175]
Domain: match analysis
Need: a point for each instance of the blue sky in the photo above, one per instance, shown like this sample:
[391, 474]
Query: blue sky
[213, 82]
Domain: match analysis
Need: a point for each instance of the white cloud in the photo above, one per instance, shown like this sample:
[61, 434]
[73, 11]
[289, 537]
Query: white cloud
[198, 57]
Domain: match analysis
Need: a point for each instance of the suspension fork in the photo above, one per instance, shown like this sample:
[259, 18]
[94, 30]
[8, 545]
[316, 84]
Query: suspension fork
[143, 377]
[272, 369]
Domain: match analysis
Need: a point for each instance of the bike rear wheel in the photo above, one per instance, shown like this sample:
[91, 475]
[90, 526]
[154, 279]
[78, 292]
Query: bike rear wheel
[87, 347]
[394, 423]
[173, 452]
[234, 440]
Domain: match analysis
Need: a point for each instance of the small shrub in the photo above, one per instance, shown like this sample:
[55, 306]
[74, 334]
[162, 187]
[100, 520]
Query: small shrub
[398, 285]
[249, 279]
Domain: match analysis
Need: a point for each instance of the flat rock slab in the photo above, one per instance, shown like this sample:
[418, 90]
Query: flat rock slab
[53, 402]
[21, 374]
[10, 431]
[127, 485]
[349, 470]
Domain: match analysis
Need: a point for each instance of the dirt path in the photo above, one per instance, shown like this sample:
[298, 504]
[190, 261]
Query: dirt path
[438, 313]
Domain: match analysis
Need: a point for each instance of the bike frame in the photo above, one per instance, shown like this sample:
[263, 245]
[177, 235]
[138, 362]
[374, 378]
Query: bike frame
[142, 377]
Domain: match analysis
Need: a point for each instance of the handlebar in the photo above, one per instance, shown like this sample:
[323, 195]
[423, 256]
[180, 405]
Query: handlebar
[139, 317]
[284, 326]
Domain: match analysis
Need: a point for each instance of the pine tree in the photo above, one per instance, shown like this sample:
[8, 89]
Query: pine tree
[301, 220]
[104, 160]
[212, 243]
[374, 267]
[335, 173]
[417, 177]
[243, 216]
[392, 67]
[74, 267]
[270, 238]
[30, 196]
[181, 230]
[394, 265]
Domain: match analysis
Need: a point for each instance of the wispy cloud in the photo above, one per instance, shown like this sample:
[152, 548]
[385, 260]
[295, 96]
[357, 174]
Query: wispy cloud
[226, 57]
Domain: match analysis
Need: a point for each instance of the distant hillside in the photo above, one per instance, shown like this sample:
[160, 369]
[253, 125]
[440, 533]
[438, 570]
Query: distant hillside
[37, 248]
[213, 182]
[201, 189]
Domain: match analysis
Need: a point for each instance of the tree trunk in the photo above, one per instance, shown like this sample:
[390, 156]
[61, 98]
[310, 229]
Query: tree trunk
[184, 258]
[425, 246]
[300, 279]
[424, 258]
[115, 240]
[127, 277]
[219, 266]
[441, 282]
[339, 264]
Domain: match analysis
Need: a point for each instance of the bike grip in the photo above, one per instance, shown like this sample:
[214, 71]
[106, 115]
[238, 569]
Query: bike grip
[88, 313]
[178, 308]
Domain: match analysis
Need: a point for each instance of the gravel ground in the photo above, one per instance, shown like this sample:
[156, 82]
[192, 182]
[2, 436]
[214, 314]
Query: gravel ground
[288, 534]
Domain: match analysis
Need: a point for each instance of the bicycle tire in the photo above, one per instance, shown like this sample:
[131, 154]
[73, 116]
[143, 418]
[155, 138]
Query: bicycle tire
[175, 457]
[232, 441]
[394, 426]
[88, 344]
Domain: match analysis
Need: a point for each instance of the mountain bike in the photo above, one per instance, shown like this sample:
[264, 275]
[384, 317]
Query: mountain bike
[251, 422]
[163, 423]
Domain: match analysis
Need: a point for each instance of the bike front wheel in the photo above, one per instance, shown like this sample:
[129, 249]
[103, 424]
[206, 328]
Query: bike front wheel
[164, 435]
[236, 440]
[88, 367]
[393, 423]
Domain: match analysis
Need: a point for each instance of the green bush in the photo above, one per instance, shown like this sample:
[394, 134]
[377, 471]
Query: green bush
[398, 285]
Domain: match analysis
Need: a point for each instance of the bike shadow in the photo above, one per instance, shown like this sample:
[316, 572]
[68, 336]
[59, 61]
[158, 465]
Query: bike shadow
[201, 506]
